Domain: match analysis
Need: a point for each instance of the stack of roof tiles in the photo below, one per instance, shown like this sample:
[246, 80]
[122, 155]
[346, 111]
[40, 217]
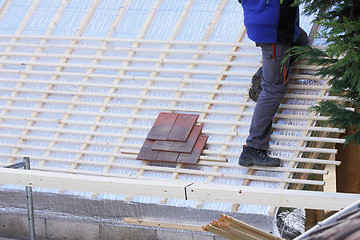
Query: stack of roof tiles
[174, 138]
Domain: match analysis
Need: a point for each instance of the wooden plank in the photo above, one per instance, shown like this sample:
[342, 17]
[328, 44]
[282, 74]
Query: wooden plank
[240, 110]
[170, 41]
[99, 53]
[4, 8]
[124, 147]
[161, 98]
[168, 79]
[20, 83]
[239, 123]
[330, 179]
[161, 224]
[301, 143]
[220, 232]
[143, 49]
[224, 122]
[30, 12]
[240, 234]
[188, 89]
[347, 173]
[175, 189]
[81, 28]
[164, 54]
[179, 171]
[211, 27]
[246, 228]
[289, 198]
[131, 68]
[165, 169]
[131, 53]
[147, 168]
[88, 183]
[133, 59]
[81, 132]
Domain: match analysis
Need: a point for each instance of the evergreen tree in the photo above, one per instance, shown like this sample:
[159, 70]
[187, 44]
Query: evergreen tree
[340, 27]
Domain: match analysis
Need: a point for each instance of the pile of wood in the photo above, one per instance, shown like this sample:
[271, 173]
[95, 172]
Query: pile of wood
[234, 229]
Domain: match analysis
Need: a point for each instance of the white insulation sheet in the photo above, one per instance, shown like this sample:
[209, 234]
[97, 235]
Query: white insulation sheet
[82, 82]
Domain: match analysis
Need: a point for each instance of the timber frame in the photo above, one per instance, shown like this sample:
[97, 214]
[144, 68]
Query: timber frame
[80, 107]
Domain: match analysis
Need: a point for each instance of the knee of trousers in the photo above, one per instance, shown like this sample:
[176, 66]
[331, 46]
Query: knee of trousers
[273, 90]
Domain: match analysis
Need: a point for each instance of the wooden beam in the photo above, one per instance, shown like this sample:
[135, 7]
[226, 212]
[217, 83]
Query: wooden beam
[238, 228]
[139, 41]
[270, 197]
[179, 190]
[165, 79]
[177, 171]
[347, 174]
[160, 224]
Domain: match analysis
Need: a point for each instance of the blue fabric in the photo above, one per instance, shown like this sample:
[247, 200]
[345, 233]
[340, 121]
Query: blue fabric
[261, 19]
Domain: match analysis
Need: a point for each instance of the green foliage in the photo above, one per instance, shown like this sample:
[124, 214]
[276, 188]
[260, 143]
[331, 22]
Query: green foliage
[340, 27]
[341, 117]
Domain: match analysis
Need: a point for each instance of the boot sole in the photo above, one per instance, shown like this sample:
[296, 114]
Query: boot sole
[264, 164]
[248, 163]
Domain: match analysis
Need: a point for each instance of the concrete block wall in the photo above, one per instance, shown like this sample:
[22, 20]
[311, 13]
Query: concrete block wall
[16, 227]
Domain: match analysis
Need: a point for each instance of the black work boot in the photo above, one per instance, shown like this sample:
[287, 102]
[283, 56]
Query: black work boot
[251, 156]
[255, 87]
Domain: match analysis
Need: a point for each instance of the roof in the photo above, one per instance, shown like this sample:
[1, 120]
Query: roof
[83, 82]
[345, 225]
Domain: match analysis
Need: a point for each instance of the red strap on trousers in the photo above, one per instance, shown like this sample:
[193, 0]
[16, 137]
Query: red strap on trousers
[284, 70]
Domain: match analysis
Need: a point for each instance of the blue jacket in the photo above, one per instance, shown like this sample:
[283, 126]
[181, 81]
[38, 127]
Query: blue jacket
[268, 21]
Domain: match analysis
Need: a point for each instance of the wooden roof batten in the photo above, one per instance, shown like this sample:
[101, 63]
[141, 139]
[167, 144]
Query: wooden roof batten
[179, 189]
[84, 104]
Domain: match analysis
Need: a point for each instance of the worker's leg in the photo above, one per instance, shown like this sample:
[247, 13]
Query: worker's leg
[255, 88]
[274, 86]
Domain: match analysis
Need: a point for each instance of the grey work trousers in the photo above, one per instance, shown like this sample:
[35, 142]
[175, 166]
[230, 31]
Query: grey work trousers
[275, 76]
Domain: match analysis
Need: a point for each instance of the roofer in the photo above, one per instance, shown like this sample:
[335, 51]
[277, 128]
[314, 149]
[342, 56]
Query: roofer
[274, 27]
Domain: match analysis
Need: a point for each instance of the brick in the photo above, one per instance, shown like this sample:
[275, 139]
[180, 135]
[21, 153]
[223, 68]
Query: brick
[167, 157]
[173, 235]
[162, 126]
[146, 152]
[126, 233]
[57, 229]
[203, 236]
[187, 147]
[182, 127]
[193, 157]
[16, 226]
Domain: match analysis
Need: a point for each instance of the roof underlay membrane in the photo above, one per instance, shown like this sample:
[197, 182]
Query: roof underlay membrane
[82, 82]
